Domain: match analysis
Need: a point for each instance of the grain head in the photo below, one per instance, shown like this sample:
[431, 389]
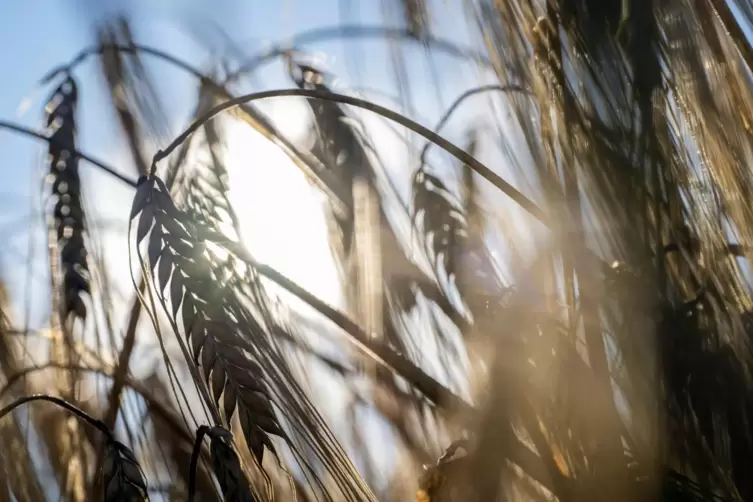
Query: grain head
[122, 478]
[68, 212]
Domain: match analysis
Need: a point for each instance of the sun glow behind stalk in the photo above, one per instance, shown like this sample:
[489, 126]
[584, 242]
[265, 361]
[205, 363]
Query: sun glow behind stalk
[281, 215]
[283, 225]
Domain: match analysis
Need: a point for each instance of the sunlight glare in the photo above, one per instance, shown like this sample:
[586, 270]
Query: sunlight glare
[282, 216]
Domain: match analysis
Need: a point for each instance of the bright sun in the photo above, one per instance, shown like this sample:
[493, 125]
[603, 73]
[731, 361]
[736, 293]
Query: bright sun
[281, 214]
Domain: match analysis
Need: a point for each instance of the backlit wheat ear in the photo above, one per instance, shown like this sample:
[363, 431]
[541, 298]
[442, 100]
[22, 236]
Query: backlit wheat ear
[212, 331]
[241, 370]
[122, 478]
[66, 188]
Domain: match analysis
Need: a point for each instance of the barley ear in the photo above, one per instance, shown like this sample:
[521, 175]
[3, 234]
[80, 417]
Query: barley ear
[122, 478]
[66, 188]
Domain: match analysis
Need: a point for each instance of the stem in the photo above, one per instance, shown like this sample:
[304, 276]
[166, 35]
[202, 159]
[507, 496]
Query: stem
[98, 424]
[160, 407]
[30, 132]
[315, 35]
[459, 100]
[121, 371]
[200, 433]
[135, 48]
[455, 151]
[356, 31]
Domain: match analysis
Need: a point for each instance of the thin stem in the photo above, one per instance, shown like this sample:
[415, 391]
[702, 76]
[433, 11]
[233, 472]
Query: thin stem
[100, 48]
[98, 424]
[119, 378]
[200, 433]
[160, 407]
[428, 386]
[459, 100]
[452, 149]
[356, 31]
[316, 35]
[30, 132]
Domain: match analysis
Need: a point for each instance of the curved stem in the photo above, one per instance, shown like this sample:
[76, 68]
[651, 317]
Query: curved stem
[313, 36]
[162, 410]
[355, 31]
[430, 135]
[84, 54]
[200, 433]
[459, 100]
[4, 124]
[63, 404]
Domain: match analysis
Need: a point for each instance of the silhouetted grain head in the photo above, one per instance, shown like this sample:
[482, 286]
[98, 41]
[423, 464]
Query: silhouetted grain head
[438, 214]
[337, 145]
[451, 227]
[122, 478]
[379, 263]
[207, 189]
[68, 212]
[210, 330]
[228, 326]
